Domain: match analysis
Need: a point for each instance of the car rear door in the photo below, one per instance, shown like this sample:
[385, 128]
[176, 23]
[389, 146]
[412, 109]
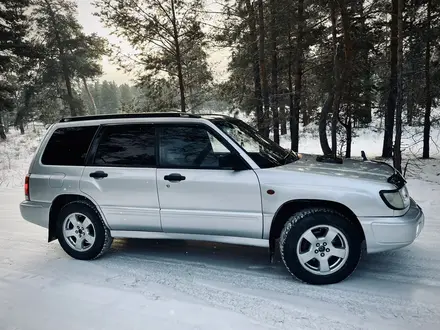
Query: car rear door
[120, 176]
[199, 192]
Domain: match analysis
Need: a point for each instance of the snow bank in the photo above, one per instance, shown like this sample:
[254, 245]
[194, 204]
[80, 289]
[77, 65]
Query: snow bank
[16, 154]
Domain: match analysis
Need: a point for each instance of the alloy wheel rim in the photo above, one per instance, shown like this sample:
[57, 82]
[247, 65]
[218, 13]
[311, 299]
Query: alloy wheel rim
[79, 232]
[322, 250]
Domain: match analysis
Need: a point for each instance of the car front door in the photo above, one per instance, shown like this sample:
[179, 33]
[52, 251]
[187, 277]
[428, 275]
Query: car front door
[199, 190]
[121, 177]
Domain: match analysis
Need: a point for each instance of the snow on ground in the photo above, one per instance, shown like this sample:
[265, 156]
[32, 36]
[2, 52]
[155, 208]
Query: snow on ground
[16, 154]
[142, 284]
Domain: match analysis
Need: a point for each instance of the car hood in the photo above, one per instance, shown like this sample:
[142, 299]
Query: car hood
[350, 168]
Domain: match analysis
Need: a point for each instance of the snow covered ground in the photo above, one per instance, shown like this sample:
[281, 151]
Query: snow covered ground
[185, 285]
[143, 284]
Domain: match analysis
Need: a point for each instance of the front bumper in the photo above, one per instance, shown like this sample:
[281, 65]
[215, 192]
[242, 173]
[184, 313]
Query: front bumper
[35, 212]
[383, 234]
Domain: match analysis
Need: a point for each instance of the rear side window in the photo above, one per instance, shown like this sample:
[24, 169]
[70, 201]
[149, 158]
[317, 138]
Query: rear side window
[68, 146]
[127, 146]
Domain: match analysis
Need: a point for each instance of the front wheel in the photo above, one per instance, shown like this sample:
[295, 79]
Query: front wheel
[320, 246]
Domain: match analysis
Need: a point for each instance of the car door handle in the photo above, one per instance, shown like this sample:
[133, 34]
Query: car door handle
[174, 177]
[98, 175]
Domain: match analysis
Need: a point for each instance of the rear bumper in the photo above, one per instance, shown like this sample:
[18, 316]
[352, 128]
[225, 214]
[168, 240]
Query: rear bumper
[35, 212]
[383, 234]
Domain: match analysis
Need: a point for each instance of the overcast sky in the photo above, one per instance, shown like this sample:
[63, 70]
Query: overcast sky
[91, 24]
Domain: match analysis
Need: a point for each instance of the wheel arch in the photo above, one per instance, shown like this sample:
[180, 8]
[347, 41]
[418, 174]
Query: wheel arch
[284, 212]
[57, 205]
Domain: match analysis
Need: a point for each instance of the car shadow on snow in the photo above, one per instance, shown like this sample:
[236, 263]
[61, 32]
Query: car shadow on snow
[381, 265]
[209, 253]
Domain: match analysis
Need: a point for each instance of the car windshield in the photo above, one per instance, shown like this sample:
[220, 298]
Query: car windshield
[263, 151]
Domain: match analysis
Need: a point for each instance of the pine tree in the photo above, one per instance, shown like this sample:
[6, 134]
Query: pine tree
[13, 46]
[166, 34]
[69, 53]
[126, 94]
[109, 98]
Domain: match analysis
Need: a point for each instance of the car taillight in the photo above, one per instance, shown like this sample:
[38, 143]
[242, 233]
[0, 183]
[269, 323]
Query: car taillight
[26, 187]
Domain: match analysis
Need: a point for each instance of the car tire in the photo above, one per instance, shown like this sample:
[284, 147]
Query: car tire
[81, 231]
[309, 252]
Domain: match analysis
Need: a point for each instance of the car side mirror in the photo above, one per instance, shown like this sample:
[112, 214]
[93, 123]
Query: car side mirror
[233, 162]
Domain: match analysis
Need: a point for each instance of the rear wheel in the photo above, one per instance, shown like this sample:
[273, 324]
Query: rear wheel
[320, 246]
[82, 232]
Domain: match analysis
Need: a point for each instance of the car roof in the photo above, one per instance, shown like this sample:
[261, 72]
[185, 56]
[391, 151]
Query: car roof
[142, 115]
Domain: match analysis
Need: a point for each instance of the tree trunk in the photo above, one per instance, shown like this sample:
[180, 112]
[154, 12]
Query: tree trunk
[323, 125]
[348, 129]
[346, 72]
[397, 159]
[333, 99]
[337, 81]
[2, 129]
[263, 68]
[19, 120]
[367, 115]
[23, 111]
[410, 104]
[387, 149]
[335, 115]
[427, 121]
[70, 97]
[283, 119]
[6, 122]
[92, 100]
[274, 103]
[178, 58]
[294, 118]
[305, 108]
[348, 125]
[298, 69]
[255, 65]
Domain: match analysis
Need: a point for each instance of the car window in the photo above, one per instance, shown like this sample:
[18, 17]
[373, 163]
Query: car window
[127, 146]
[68, 146]
[191, 147]
[262, 150]
[217, 146]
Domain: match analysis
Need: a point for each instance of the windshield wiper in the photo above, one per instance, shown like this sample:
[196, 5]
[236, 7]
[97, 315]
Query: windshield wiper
[290, 153]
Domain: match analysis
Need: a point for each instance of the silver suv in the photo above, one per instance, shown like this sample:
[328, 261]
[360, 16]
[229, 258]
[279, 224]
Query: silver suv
[213, 178]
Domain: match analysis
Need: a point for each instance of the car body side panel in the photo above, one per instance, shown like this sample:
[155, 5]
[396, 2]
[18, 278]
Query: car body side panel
[46, 182]
[51, 181]
[362, 199]
[211, 202]
[127, 197]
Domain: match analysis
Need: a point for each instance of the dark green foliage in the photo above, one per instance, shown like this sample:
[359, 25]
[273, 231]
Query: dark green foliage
[169, 41]
[70, 55]
[13, 49]
[367, 83]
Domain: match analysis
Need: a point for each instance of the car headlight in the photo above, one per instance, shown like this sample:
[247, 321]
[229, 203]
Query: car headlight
[396, 199]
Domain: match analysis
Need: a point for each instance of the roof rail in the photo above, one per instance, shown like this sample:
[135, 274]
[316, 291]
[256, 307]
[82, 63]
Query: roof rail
[131, 115]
